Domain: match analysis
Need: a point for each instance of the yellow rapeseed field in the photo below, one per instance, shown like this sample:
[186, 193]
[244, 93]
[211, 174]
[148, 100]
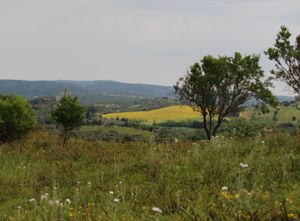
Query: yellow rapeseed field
[175, 113]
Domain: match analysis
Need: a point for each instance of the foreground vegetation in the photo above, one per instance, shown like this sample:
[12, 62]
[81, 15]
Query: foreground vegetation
[225, 179]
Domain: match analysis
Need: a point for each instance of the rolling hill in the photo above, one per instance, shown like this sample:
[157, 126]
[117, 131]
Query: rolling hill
[87, 91]
[90, 92]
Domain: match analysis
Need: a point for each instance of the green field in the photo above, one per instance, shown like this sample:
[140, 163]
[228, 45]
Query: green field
[285, 114]
[249, 179]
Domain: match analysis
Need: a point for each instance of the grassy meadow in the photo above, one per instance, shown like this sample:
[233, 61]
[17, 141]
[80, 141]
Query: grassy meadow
[174, 113]
[226, 179]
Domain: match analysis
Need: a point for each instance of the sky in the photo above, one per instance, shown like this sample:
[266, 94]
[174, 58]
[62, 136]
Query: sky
[138, 41]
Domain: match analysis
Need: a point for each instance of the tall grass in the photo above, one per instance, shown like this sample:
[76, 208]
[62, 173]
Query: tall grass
[257, 179]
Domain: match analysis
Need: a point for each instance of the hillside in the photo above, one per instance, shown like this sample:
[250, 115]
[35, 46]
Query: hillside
[91, 92]
[87, 91]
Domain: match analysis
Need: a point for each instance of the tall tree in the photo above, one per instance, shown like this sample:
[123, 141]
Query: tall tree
[68, 114]
[287, 58]
[218, 87]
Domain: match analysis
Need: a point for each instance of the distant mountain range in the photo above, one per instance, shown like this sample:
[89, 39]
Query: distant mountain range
[91, 91]
[87, 91]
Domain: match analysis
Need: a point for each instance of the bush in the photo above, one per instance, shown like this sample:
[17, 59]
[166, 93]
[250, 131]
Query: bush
[241, 127]
[68, 114]
[16, 118]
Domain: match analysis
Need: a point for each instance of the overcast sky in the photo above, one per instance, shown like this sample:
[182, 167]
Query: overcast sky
[143, 41]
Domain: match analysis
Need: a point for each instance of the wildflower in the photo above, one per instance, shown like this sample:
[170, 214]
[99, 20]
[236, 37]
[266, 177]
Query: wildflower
[120, 182]
[89, 183]
[156, 209]
[292, 216]
[116, 200]
[68, 201]
[237, 196]
[224, 188]
[54, 203]
[45, 196]
[111, 192]
[244, 165]
[31, 200]
[225, 195]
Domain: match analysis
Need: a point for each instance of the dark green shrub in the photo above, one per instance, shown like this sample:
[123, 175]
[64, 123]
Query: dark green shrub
[16, 118]
[241, 127]
[68, 114]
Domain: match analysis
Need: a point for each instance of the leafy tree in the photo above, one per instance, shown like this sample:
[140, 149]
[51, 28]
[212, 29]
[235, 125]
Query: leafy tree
[68, 114]
[16, 118]
[218, 87]
[287, 58]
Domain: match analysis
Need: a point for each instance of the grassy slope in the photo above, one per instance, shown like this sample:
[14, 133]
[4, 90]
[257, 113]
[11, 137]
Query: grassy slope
[175, 112]
[184, 180]
[284, 115]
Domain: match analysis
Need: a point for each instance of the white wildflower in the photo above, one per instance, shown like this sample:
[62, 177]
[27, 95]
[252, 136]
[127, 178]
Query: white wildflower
[45, 196]
[156, 209]
[31, 200]
[116, 200]
[224, 188]
[68, 201]
[244, 165]
[111, 192]
[89, 183]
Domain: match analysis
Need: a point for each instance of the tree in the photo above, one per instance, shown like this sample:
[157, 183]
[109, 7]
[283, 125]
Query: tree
[16, 118]
[218, 87]
[287, 58]
[68, 114]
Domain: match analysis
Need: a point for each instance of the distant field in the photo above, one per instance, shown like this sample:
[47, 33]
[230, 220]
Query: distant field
[176, 113]
[285, 114]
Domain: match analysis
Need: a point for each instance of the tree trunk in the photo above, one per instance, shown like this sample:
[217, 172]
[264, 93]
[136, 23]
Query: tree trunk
[207, 130]
[65, 136]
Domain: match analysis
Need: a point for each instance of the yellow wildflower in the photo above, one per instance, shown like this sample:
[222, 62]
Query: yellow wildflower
[292, 216]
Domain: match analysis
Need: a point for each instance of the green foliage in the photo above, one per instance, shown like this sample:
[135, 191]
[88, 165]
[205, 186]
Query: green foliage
[186, 181]
[16, 118]
[287, 58]
[218, 87]
[68, 114]
[243, 128]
